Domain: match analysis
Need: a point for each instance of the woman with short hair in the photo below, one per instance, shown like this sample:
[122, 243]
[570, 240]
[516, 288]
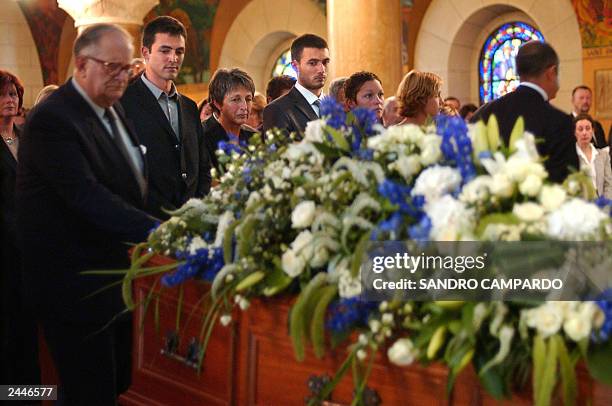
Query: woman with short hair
[364, 89]
[418, 97]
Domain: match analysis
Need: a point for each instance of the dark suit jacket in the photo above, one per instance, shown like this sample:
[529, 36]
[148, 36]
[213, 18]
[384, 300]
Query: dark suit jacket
[600, 135]
[179, 169]
[8, 173]
[77, 206]
[546, 122]
[214, 132]
[290, 112]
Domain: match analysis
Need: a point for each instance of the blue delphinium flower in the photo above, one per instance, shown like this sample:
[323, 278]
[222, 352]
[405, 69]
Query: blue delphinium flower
[333, 112]
[456, 144]
[204, 263]
[345, 313]
[408, 205]
[421, 230]
[363, 125]
[246, 174]
[605, 304]
[229, 147]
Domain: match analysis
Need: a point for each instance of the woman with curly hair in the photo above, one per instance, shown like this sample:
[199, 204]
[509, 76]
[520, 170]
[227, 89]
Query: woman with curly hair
[418, 97]
[364, 89]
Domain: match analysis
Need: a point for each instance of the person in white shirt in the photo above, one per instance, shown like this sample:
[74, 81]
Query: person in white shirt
[595, 162]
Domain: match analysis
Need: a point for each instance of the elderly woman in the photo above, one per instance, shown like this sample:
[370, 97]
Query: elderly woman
[418, 96]
[231, 93]
[18, 337]
[364, 89]
[595, 162]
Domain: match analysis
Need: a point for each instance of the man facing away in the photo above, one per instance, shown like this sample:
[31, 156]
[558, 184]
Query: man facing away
[310, 57]
[582, 98]
[167, 122]
[538, 67]
[81, 185]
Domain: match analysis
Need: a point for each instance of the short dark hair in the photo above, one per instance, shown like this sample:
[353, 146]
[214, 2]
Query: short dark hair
[162, 25]
[467, 108]
[354, 83]
[277, 85]
[93, 33]
[306, 41]
[224, 81]
[7, 79]
[534, 57]
[583, 87]
[584, 116]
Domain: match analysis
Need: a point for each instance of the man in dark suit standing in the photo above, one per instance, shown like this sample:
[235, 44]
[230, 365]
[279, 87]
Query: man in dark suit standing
[81, 184]
[582, 98]
[538, 67]
[167, 122]
[310, 57]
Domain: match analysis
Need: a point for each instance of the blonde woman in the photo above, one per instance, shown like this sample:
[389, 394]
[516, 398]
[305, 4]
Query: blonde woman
[418, 97]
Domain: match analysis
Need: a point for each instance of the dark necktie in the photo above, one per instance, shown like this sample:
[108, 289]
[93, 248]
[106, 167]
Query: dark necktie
[118, 140]
[318, 104]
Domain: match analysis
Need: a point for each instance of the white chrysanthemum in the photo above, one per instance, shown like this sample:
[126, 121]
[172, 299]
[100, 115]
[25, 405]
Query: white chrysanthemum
[450, 219]
[477, 190]
[436, 181]
[430, 149]
[407, 166]
[303, 214]
[528, 211]
[402, 352]
[575, 220]
[531, 185]
[552, 197]
[293, 265]
[314, 131]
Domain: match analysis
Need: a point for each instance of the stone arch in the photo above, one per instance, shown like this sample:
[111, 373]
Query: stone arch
[65, 61]
[263, 29]
[18, 50]
[467, 24]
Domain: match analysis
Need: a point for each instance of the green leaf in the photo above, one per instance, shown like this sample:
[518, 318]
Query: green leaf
[568, 373]
[276, 281]
[250, 280]
[358, 254]
[339, 139]
[495, 218]
[481, 142]
[297, 318]
[517, 133]
[493, 133]
[246, 236]
[317, 325]
[227, 241]
[548, 375]
[327, 389]
[598, 362]
[493, 383]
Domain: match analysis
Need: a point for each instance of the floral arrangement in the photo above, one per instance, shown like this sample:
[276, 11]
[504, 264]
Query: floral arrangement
[295, 217]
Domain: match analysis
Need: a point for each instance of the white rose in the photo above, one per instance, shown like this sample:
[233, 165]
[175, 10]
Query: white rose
[547, 319]
[292, 264]
[320, 257]
[528, 212]
[531, 185]
[402, 352]
[517, 168]
[430, 149]
[552, 196]
[477, 190]
[302, 245]
[450, 219]
[314, 131]
[501, 186]
[575, 220]
[436, 181]
[303, 214]
[577, 326]
[407, 166]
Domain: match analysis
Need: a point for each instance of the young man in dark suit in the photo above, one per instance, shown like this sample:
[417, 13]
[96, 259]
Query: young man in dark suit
[538, 67]
[310, 57]
[166, 121]
[81, 186]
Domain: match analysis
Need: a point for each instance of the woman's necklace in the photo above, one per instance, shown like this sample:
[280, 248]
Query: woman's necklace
[8, 140]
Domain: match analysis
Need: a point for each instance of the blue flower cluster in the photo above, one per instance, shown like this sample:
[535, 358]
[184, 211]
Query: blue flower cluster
[456, 144]
[333, 112]
[363, 125]
[229, 147]
[408, 205]
[345, 313]
[605, 304]
[205, 263]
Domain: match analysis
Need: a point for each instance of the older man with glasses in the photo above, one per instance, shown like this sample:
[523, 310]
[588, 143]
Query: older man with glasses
[81, 187]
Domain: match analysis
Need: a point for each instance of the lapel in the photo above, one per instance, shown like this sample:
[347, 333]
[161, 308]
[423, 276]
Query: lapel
[302, 105]
[151, 106]
[7, 156]
[92, 125]
[599, 173]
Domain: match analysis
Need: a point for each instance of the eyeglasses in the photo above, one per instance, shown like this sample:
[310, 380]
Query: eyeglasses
[113, 68]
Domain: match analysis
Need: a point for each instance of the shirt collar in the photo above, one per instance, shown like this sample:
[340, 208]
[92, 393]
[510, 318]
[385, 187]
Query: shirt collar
[594, 153]
[308, 95]
[536, 88]
[97, 109]
[157, 92]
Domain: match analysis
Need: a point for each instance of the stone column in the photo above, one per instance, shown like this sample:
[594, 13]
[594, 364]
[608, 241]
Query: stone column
[366, 35]
[126, 13]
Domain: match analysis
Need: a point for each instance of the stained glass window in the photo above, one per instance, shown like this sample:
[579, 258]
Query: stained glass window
[497, 67]
[283, 65]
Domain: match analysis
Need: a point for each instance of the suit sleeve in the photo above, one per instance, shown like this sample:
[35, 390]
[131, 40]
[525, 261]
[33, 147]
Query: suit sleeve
[275, 117]
[51, 147]
[204, 177]
[561, 148]
[607, 189]
[600, 136]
